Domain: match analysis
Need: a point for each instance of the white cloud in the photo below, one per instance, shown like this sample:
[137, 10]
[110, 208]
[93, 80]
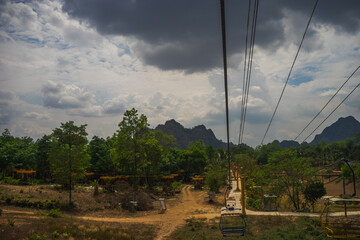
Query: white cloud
[37, 116]
[58, 95]
[84, 76]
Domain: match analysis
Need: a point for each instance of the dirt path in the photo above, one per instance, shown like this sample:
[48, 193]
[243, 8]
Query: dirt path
[190, 204]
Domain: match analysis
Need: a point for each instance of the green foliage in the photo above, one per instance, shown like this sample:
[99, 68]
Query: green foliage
[12, 181]
[347, 173]
[313, 192]
[169, 162]
[194, 223]
[242, 149]
[55, 234]
[128, 141]
[11, 222]
[216, 178]
[287, 173]
[43, 150]
[99, 150]
[254, 202]
[54, 213]
[137, 150]
[192, 160]
[38, 236]
[264, 152]
[247, 163]
[17, 152]
[24, 202]
[258, 228]
[176, 185]
[68, 157]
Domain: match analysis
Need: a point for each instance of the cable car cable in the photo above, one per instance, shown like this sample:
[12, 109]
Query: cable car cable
[223, 31]
[332, 112]
[327, 103]
[248, 73]
[244, 75]
[292, 66]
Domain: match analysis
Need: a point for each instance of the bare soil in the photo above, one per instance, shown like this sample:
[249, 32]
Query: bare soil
[187, 204]
[102, 210]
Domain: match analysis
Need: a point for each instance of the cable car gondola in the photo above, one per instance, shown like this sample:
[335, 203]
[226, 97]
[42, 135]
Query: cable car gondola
[335, 227]
[232, 221]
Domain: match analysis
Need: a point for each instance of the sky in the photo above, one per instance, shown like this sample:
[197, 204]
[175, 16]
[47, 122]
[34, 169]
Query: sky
[89, 61]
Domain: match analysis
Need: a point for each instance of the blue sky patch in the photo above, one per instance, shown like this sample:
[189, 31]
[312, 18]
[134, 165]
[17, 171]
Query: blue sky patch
[298, 79]
[32, 99]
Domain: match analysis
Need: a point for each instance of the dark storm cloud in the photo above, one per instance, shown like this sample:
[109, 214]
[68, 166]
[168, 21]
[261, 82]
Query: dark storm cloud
[185, 35]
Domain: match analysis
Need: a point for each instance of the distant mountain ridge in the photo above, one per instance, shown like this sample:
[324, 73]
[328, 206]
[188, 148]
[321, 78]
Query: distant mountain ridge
[186, 135]
[342, 129]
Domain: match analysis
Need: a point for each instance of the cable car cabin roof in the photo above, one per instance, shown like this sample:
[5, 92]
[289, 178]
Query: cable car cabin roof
[342, 201]
[227, 211]
[270, 196]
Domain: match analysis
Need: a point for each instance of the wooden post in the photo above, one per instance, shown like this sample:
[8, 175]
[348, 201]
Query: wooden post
[236, 174]
[243, 204]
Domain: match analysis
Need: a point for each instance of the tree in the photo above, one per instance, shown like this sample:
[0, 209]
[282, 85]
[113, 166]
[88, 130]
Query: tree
[17, 152]
[216, 178]
[287, 173]
[137, 150]
[6, 150]
[247, 163]
[193, 159]
[99, 150]
[43, 150]
[348, 174]
[313, 192]
[264, 152]
[68, 157]
[127, 143]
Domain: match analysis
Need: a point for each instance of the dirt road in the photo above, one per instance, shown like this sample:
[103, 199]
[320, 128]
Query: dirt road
[191, 204]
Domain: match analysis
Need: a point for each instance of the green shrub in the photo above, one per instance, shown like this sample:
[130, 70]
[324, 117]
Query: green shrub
[195, 223]
[10, 180]
[215, 179]
[176, 185]
[254, 202]
[11, 222]
[38, 236]
[9, 199]
[54, 213]
[55, 234]
[53, 203]
[38, 204]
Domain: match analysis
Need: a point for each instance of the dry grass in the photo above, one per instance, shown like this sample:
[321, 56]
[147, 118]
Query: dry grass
[37, 227]
[108, 204]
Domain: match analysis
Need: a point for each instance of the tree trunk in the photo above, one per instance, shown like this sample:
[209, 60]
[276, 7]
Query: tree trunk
[70, 172]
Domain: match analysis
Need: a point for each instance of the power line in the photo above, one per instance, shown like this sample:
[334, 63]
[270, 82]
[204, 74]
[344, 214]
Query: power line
[245, 60]
[292, 66]
[332, 112]
[327, 102]
[246, 80]
[223, 25]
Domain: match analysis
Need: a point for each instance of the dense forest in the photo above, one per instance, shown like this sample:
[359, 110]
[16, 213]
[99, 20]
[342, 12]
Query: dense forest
[67, 157]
